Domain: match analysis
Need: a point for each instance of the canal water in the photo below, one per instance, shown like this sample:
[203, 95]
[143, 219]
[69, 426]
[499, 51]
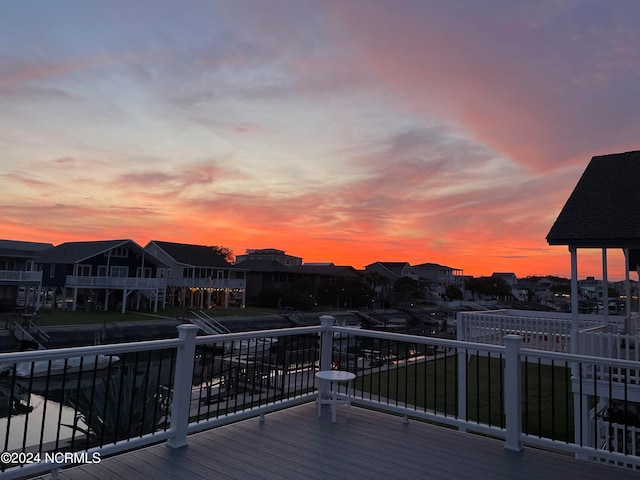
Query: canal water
[58, 411]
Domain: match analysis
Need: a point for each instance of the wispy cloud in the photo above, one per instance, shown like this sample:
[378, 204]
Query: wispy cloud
[351, 132]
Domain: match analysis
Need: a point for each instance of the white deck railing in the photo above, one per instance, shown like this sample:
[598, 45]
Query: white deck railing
[549, 331]
[510, 383]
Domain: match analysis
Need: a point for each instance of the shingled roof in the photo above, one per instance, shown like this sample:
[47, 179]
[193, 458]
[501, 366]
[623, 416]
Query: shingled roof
[194, 255]
[604, 209]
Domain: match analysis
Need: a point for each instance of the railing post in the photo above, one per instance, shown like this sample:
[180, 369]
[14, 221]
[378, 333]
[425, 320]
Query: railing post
[461, 330]
[326, 351]
[183, 376]
[513, 392]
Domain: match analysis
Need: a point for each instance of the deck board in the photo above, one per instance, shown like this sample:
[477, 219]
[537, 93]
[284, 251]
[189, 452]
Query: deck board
[295, 443]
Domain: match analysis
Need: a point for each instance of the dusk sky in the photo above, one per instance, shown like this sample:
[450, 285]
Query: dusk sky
[348, 131]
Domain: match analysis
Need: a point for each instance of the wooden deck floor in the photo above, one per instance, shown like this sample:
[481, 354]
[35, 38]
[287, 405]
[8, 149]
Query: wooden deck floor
[296, 444]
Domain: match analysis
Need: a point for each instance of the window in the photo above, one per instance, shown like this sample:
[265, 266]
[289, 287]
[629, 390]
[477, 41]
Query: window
[84, 270]
[143, 272]
[119, 271]
[118, 252]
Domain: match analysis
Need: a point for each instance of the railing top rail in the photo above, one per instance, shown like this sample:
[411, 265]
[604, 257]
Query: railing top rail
[107, 349]
[276, 332]
[403, 337]
[579, 358]
[550, 315]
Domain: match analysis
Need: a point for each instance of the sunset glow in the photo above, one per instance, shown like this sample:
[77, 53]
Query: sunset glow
[339, 131]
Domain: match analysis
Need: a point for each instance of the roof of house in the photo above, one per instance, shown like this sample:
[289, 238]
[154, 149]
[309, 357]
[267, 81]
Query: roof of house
[432, 266]
[394, 268]
[255, 265]
[194, 255]
[15, 248]
[332, 270]
[72, 252]
[602, 211]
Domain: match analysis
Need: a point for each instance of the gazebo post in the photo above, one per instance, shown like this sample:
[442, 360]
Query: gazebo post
[605, 287]
[574, 298]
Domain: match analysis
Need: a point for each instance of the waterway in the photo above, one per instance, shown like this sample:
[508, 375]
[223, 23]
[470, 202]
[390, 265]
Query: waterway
[57, 410]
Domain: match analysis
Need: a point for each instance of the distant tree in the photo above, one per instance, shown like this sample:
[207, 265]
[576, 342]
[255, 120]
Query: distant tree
[345, 293]
[407, 289]
[225, 252]
[375, 279]
[488, 286]
[298, 296]
[452, 292]
[561, 288]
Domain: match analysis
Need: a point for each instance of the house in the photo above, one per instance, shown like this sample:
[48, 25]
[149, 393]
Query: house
[199, 276]
[272, 269]
[439, 276]
[511, 280]
[18, 274]
[392, 270]
[270, 255]
[103, 275]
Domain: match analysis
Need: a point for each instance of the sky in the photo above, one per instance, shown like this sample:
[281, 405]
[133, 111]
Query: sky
[349, 131]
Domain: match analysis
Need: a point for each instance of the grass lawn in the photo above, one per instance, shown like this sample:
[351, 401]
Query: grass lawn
[67, 317]
[547, 407]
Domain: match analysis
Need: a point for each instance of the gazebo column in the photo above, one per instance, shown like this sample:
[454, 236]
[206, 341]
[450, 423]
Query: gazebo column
[574, 298]
[575, 342]
[627, 291]
[605, 288]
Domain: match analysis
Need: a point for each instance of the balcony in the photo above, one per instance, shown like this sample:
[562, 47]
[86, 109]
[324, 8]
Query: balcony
[14, 277]
[260, 386]
[73, 281]
[205, 282]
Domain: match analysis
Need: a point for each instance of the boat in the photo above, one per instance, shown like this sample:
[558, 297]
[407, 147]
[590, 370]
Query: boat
[257, 347]
[43, 368]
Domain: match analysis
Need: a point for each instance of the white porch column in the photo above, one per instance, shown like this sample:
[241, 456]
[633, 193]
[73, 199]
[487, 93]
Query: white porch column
[38, 290]
[574, 298]
[64, 298]
[627, 292]
[605, 287]
[75, 298]
[125, 294]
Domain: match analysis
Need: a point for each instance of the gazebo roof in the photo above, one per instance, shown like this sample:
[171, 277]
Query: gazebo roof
[604, 209]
